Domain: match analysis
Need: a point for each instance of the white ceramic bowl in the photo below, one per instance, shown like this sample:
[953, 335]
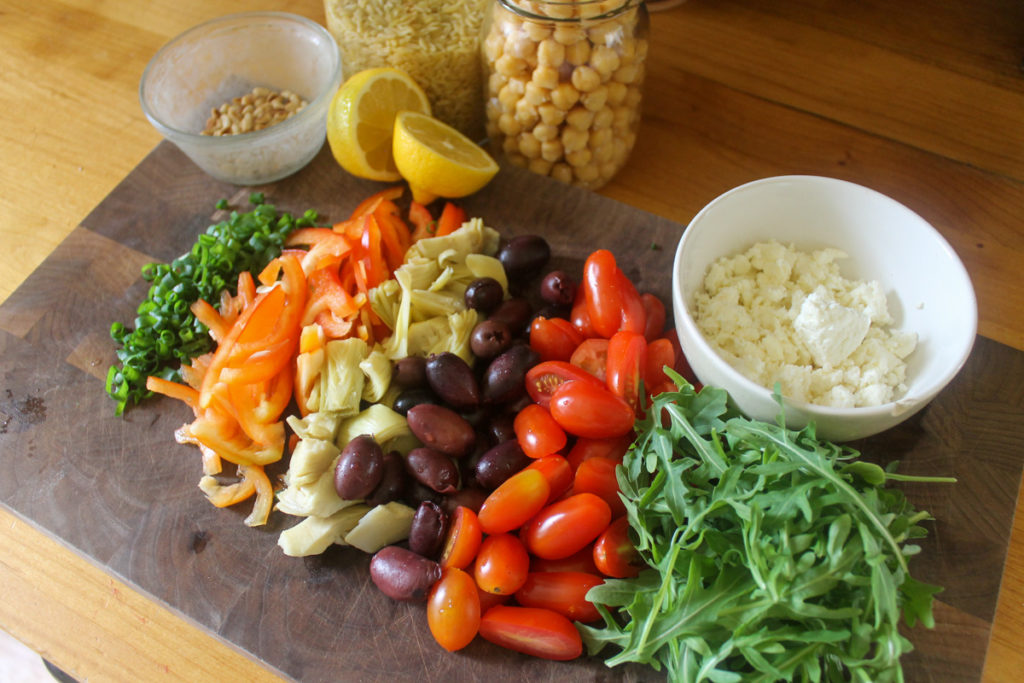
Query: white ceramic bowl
[212, 63]
[927, 287]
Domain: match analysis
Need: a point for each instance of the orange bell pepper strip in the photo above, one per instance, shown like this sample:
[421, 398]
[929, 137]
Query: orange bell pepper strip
[452, 218]
[182, 392]
[264, 495]
[326, 247]
[370, 204]
[223, 496]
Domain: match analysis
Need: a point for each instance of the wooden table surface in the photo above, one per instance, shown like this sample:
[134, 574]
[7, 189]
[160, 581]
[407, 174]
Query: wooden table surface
[923, 101]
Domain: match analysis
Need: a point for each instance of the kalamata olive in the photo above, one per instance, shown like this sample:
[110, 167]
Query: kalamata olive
[489, 338]
[453, 381]
[416, 493]
[505, 378]
[500, 463]
[429, 527]
[413, 397]
[470, 497]
[393, 483]
[484, 294]
[433, 469]
[360, 468]
[410, 372]
[515, 313]
[402, 574]
[441, 429]
[524, 255]
[552, 311]
[558, 288]
[500, 428]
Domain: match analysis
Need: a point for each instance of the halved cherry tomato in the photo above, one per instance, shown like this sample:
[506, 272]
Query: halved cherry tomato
[584, 449]
[453, 609]
[580, 316]
[537, 432]
[533, 631]
[627, 365]
[566, 526]
[501, 565]
[597, 476]
[634, 317]
[659, 354]
[603, 296]
[463, 539]
[592, 356]
[542, 379]
[557, 471]
[553, 338]
[589, 409]
[562, 592]
[509, 506]
[655, 311]
[580, 561]
[424, 225]
[614, 553]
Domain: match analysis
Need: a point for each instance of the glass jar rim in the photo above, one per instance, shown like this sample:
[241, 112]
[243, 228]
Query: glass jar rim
[604, 9]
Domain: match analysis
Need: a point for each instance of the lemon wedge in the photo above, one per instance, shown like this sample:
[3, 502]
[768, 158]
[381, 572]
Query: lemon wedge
[437, 160]
[361, 120]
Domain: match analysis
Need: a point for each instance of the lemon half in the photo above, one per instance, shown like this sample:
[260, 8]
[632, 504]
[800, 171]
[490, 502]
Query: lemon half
[437, 160]
[361, 120]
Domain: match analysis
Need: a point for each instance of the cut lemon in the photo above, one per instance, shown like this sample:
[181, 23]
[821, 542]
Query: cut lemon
[437, 160]
[362, 118]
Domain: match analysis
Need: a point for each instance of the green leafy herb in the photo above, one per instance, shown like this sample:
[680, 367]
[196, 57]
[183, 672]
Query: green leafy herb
[165, 332]
[773, 555]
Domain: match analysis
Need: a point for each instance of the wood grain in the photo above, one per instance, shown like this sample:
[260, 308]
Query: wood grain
[899, 96]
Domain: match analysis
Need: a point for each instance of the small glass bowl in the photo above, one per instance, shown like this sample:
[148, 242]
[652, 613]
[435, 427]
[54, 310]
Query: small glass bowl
[212, 63]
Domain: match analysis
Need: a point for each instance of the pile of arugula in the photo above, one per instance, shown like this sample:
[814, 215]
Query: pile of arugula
[772, 555]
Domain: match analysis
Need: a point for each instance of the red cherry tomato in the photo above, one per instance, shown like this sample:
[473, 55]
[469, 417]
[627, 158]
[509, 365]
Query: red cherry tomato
[592, 356]
[553, 338]
[584, 449]
[489, 600]
[533, 631]
[580, 316]
[463, 539]
[627, 365]
[453, 609]
[501, 565]
[603, 287]
[542, 379]
[562, 592]
[659, 354]
[537, 432]
[656, 316]
[590, 410]
[614, 553]
[597, 476]
[566, 526]
[634, 317]
[509, 506]
[557, 471]
[580, 561]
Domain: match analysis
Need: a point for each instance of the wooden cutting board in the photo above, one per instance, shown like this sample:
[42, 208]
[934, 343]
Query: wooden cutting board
[122, 493]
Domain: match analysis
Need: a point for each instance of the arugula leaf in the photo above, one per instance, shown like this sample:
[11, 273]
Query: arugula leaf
[772, 554]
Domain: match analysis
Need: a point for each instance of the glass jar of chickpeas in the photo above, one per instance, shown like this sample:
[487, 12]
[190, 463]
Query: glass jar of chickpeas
[563, 84]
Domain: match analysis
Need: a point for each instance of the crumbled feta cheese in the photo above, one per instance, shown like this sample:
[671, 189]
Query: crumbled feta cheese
[778, 314]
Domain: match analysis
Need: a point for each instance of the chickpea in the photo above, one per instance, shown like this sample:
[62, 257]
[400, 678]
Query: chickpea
[526, 114]
[608, 169]
[633, 97]
[519, 46]
[580, 118]
[508, 65]
[586, 173]
[529, 146]
[510, 145]
[623, 117]
[509, 125]
[594, 101]
[551, 150]
[508, 97]
[536, 31]
[601, 137]
[565, 96]
[626, 74]
[557, 10]
[579, 157]
[550, 114]
[550, 53]
[602, 153]
[574, 139]
[616, 93]
[545, 77]
[493, 47]
[545, 132]
[577, 54]
[535, 94]
[568, 34]
[608, 33]
[540, 166]
[605, 61]
[603, 119]
[562, 173]
[585, 78]
[495, 82]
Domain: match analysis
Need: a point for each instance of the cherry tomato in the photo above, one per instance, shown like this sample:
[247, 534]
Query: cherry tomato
[597, 476]
[532, 630]
[590, 410]
[566, 526]
[592, 356]
[537, 432]
[659, 354]
[603, 287]
[463, 539]
[553, 338]
[542, 379]
[614, 554]
[634, 317]
[562, 592]
[580, 561]
[580, 316]
[489, 600]
[656, 316]
[584, 449]
[509, 506]
[627, 365]
[557, 471]
[501, 565]
[453, 609]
